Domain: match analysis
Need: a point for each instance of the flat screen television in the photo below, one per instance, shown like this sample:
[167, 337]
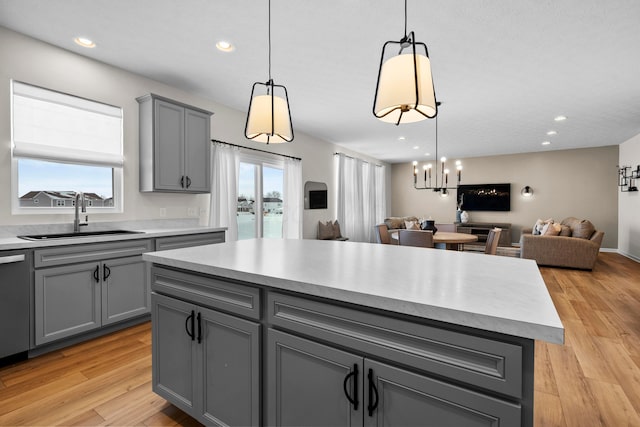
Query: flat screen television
[485, 197]
[318, 199]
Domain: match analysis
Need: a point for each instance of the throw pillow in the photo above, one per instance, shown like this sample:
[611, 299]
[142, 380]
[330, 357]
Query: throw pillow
[583, 229]
[552, 229]
[325, 231]
[537, 227]
[566, 231]
[336, 229]
[411, 225]
[394, 222]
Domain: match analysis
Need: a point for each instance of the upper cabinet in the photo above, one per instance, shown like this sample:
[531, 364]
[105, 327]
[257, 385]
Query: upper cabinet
[175, 146]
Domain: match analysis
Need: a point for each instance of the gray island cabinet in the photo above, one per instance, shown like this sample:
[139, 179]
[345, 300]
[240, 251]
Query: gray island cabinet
[304, 332]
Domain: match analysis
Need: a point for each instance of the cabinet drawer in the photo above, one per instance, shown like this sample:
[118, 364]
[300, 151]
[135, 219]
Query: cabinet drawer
[207, 291]
[483, 362]
[89, 252]
[185, 241]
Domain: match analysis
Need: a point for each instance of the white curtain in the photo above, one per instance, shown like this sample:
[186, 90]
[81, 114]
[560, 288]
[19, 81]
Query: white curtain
[361, 200]
[224, 190]
[292, 204]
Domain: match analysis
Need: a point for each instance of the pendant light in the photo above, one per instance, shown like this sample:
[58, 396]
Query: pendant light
[269, 119]
[404, 92]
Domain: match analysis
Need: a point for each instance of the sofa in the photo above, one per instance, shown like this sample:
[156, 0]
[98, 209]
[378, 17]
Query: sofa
[572, 243]
[398, 222]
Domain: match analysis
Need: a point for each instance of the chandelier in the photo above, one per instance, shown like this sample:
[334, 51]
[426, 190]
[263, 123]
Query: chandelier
[441, 182]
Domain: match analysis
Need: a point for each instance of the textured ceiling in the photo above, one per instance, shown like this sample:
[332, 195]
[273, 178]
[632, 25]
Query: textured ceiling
[502, 69]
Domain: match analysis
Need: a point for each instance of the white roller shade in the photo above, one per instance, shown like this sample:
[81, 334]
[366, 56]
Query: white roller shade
[54, 126]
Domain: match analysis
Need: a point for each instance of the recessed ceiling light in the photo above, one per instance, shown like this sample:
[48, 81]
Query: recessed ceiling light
[546, 143]
[416, 147]
[225, 46]
[401, 138]
[427, 154]
[84, 42]
[560, 118]
[552, 132]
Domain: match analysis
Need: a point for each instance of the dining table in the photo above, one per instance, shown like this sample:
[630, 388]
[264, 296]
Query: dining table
[446, 239]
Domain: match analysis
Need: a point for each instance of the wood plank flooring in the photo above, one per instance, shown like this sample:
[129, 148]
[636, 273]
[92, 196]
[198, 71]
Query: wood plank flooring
[592, 380]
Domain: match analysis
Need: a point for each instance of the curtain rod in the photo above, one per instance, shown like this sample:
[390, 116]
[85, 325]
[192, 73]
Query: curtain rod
[256, 149]
[355, 158]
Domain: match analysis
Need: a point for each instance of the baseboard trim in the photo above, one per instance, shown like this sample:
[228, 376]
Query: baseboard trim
[631, 257]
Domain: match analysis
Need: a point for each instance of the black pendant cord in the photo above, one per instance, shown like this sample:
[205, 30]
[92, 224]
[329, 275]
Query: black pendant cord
[269, 39]
[405, 19]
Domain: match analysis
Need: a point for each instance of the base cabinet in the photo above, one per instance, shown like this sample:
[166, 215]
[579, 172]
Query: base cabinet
[206, 362]
[314, 384]
[326, 364]
[85, 287]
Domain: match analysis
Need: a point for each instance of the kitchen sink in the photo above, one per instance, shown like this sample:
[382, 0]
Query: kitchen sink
[75, 235]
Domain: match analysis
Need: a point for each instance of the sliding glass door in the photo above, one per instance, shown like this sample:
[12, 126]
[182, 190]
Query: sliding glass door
[260, 198]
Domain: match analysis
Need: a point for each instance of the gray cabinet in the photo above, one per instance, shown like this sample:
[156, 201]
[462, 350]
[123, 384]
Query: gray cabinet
[314, 384]
[175, 146]
[188, 240]
[205, 361]
[307, 383]
[84, 287]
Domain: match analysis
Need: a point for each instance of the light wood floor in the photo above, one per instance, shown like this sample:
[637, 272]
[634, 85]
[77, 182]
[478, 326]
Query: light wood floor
[593, 380]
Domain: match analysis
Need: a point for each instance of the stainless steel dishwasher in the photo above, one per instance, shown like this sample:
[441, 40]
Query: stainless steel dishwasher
[15, 281]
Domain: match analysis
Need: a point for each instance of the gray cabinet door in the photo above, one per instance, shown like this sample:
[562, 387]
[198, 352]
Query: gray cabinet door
[403, 398]
[229, 362]
[306, 383]
[197, 151]
[168, 146]
[67, 301]
[125, 289]
[174, 351]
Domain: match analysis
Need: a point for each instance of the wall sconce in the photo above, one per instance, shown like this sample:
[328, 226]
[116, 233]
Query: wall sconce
[627, 178]
[526, 191]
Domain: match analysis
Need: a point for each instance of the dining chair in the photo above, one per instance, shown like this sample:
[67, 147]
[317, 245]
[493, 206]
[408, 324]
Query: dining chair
[448, 228]
[493, 238]
[419, 238]
[382, 234]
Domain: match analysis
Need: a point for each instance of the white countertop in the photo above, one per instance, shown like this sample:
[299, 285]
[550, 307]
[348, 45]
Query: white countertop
[494, 293]
[145, 229]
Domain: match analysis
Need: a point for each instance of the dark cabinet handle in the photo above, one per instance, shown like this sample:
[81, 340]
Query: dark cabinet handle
[188, 182]
[106, 272]
[190, 318]
[354, 374]
[182, 181]
[199, 328]
[96, 274]
[372, 391]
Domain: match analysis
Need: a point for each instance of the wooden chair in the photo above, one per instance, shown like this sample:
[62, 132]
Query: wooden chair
[419, 238]
[493, 238]
[382, 234]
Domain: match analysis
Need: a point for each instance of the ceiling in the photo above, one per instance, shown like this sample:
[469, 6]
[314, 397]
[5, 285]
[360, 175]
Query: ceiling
[502, 69]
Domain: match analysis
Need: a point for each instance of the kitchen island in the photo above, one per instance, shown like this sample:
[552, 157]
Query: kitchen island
[292, 332]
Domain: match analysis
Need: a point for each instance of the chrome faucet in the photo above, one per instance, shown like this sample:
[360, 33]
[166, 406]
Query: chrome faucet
[79, 200]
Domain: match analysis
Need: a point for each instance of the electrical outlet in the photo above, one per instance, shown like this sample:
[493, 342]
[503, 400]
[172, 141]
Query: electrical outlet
[163, 212]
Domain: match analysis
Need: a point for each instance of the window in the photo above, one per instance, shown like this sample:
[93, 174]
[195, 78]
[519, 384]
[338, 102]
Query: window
[63, 144]
[260, 198]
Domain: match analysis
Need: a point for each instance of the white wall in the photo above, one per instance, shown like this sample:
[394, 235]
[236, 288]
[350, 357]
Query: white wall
[580, 183]
[41, 64]
[629, 204]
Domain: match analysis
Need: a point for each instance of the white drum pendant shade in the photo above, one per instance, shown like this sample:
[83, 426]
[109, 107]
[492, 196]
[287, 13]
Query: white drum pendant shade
[259, 123]
[397, 92]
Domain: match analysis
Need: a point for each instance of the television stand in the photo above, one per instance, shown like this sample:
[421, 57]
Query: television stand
[481, 229]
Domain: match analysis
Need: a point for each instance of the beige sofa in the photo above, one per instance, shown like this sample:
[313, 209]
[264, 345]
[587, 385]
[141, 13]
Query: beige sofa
[577, 246]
